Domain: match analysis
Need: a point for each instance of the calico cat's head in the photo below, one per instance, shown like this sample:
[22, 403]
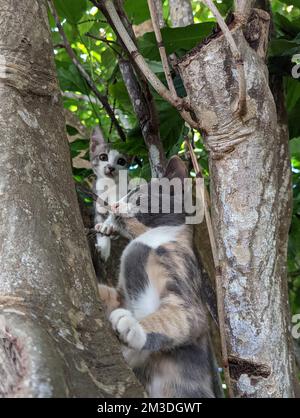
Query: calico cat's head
[106, 161]
[157, 203]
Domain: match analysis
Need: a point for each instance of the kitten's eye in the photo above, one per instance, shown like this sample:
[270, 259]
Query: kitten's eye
[121, 161]
[103, 157]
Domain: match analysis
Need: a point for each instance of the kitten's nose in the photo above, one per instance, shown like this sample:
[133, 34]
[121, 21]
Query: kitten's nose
[111, 169]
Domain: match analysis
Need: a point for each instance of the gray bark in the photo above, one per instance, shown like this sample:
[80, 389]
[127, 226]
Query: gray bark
[53, 337]
[249, 198]
[159, 9]
[181, 13]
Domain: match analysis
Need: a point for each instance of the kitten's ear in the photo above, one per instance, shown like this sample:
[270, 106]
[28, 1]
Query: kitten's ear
[176, 169]
[96, 142]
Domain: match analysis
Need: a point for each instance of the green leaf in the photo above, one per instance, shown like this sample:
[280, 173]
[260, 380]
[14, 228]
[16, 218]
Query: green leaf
[71, 130]
[285, 25]
[77, 146]
[294, 126]
[84, 25]
[295, 3]
[134, 144]
[295, 147]
[170, 123]
[292, 87]
[70, 79]
[175, 39]
[72, 10]
[282, 47]
[137, 12]
[119, 92]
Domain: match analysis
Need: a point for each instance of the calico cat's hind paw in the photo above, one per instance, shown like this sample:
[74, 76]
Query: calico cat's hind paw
[109, 297]
[129, 329]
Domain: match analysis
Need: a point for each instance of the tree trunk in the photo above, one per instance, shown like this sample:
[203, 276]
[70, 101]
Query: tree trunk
[181, 13]
[54, 340]
[248, 196]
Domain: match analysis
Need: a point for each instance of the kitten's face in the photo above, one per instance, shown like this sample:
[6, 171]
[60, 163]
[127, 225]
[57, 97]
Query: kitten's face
[109, 162]
[106, 162]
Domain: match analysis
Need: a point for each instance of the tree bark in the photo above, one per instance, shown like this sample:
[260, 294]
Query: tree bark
[248, 196]
[181, 13]
[54, 341]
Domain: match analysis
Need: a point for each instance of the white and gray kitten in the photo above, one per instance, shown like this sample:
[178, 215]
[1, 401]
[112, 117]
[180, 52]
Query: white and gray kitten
[107, 164]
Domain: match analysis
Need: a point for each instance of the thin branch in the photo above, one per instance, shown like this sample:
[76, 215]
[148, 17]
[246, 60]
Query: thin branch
[236, 55]
[161, 47]
[106, 41]
[219, 287]
[57, 46]
[83, 97]
[165, 63]
[103, 99]
[91, 20]
[102, 39]
[147, 117]
[159, 10]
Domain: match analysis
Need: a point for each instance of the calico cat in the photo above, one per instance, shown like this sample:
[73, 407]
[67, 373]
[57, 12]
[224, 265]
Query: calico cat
[156, 309]
[107, 164]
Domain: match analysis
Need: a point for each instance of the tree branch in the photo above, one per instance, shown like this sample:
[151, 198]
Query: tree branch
[177, 102]
[161, 48]
[103, 99]
[147, 118]
[159, 12]
[138, 58]
[243, 7]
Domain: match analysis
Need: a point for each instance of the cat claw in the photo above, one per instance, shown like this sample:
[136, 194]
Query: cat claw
[128, 328]
[105, 229]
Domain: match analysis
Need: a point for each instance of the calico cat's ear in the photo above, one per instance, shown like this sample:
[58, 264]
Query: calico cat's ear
[97, 142]
[176, 169]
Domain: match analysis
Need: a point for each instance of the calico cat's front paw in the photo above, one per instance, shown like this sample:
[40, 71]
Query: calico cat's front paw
[106, 229]
[128, 328]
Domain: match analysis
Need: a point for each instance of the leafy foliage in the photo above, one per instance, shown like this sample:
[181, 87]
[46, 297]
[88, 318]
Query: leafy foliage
[99, 58]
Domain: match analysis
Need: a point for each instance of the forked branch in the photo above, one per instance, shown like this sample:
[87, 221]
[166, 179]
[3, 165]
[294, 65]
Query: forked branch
[139, 60]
